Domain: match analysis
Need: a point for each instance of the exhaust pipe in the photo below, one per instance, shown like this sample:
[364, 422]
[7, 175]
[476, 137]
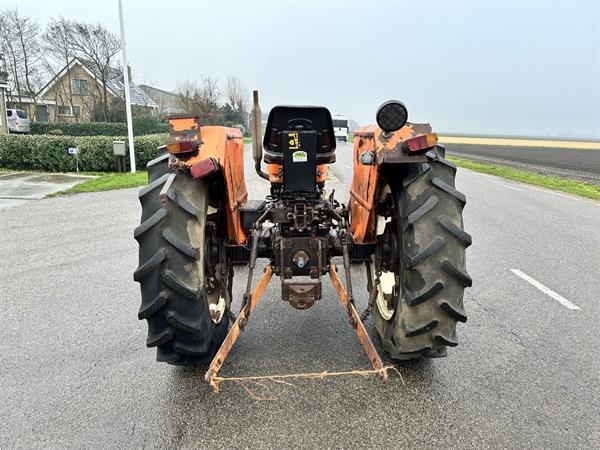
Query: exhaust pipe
[256, 118]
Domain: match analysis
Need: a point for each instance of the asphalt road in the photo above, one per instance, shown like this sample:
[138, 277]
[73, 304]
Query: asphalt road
[582, 165]
[75, 373]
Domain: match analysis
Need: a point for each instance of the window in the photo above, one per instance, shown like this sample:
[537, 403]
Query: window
[64, 110]
[21, 114]
[9, 113]
[76, 111]
[340, 123]
[79, 87]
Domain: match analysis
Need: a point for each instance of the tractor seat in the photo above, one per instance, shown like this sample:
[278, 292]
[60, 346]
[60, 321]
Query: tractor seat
[283, 119]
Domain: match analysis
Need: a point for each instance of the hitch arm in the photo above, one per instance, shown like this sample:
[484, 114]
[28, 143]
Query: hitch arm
[356, 323]
[235, 330]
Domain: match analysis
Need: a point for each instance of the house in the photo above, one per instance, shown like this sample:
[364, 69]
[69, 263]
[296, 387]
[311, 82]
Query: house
[76, 94]
[168, 102]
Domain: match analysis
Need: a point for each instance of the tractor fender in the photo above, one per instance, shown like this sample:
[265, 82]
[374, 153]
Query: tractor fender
[375, 152]
[222, 150]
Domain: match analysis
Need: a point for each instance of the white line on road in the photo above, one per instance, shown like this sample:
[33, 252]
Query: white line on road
[549, 292]
[513, 188]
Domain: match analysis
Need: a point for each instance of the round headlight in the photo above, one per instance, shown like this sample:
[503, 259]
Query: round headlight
[391, 116]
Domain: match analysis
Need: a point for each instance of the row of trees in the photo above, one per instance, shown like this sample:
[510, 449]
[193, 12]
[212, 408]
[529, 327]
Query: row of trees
[215, 104]
[34, 55]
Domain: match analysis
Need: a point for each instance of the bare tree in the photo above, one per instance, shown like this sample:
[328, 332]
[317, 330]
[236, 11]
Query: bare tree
[99, 46]
[236, 95]
[19, 41]
[201, 98]
[58, 46]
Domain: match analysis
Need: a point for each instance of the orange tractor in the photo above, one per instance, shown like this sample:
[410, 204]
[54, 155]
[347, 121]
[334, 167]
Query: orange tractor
[403, 223]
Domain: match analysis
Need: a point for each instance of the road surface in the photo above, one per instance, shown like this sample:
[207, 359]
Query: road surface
[75, 373]
[577, 164]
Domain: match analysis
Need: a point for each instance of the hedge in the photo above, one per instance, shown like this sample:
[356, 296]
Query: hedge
[142, 125]
[50, 153]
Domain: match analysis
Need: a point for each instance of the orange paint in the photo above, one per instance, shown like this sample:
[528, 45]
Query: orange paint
[226, 146]
[366, 181]
[275, 172]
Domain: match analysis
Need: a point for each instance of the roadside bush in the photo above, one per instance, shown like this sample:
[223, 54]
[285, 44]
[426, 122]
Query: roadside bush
[142, 125]
[50, 153]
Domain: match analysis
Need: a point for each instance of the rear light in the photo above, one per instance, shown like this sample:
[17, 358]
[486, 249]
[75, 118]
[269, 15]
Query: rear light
[204, 168]
[182, 146]
[184, 134]
[420, 143]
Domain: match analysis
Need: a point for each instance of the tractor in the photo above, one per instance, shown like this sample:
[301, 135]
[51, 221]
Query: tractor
[403, 223]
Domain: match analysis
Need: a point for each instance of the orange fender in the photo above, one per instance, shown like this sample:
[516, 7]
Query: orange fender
[226, 146]
[366, 180]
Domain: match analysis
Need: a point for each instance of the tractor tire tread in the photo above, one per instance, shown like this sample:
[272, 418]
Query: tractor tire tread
[174, 303]
[433, 244]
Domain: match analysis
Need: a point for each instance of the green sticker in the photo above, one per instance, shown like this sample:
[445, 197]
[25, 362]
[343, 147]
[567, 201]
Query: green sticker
[299, 156]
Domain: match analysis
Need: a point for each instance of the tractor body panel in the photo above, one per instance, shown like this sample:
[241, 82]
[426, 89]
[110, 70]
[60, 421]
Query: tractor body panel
[223, 145]
[374, 148]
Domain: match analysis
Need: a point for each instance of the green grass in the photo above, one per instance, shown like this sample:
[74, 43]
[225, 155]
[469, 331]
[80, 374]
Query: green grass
[107, 182]
[247, 140]
[555, 183]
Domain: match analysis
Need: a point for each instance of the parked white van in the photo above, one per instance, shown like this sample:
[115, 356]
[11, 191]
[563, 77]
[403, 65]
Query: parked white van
[340, 127]
[18, 121]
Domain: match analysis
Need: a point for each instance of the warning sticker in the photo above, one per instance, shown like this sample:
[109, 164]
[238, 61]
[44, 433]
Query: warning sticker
[299, 156]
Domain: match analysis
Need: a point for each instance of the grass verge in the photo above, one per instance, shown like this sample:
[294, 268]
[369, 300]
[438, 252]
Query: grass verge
[107, 182]
[555, 183]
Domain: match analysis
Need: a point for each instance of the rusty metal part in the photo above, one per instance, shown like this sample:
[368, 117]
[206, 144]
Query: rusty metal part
[366, 181]
[236, 329]
[372, 297]
[204, 168]
[225, 146]
[255, 127]
[183, 129]
[247, 300]
[301, 295]
[356, 323]
[276, 173]
[177, 165]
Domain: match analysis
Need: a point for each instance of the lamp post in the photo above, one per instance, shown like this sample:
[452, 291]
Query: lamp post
[127, 94]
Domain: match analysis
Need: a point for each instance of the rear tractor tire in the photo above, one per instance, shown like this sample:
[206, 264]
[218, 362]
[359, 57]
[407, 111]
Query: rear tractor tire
[420, 298]
[172, 268]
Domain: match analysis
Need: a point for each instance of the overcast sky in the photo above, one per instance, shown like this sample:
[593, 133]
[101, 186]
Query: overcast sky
[530, 68]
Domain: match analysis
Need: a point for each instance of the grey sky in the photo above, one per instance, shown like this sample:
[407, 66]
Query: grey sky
[529, 68]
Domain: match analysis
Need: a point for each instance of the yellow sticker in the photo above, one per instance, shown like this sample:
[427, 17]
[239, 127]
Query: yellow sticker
[294, 142]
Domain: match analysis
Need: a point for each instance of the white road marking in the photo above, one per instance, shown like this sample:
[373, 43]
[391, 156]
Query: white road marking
[549, 292]
[513, 188]
[347, 166]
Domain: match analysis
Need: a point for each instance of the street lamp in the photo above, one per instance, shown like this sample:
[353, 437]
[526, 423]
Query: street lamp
[127, 94]
[3, 87]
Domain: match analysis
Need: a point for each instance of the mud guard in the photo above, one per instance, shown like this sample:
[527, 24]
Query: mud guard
[224, 147]
[374, 149]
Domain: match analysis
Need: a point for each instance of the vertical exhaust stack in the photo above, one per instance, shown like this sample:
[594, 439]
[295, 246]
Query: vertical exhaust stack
[256, 135]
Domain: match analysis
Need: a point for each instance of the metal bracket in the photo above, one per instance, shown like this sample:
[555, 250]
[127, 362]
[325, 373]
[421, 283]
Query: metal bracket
[356, 323]
[236, 329]
[253, 300]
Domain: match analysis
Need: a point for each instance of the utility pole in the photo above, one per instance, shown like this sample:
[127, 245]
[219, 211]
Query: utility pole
[127, 94]
[3, 90]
